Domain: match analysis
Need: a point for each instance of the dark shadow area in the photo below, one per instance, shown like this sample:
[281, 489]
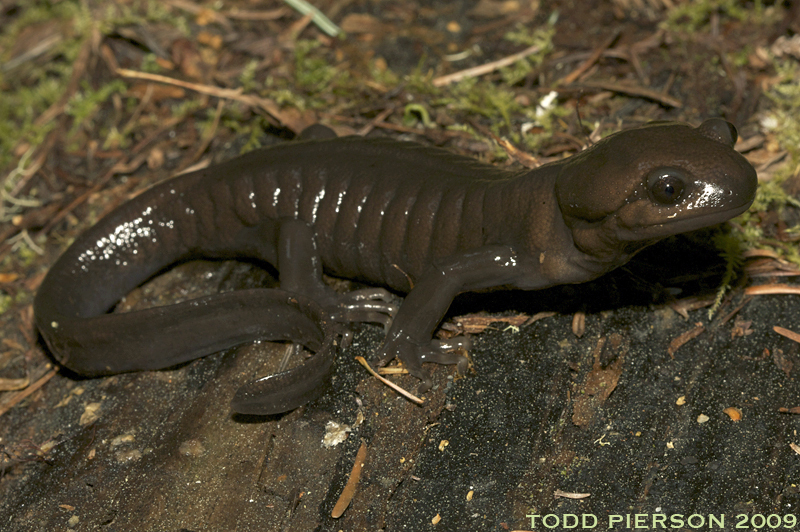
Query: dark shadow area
[676, 267]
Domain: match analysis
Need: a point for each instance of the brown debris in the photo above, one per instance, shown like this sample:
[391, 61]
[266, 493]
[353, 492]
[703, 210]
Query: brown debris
[770, 267]
[579, 324]
[631, 90]
[156, 93]
[689, 335]
[10, 385]
[687, 304]
[477, 323]
[516, 154]
[540, 316]
[270, 14]
[204, 15]
[733, 312]
[10, 401]
[352, 483]
[791, 335]
[357, 23]
[783, 362]
[576, 74]
[741, 328]
[734, 413]
[602, 380]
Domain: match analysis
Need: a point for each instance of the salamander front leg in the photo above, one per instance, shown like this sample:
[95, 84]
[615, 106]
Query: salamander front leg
[410, 336]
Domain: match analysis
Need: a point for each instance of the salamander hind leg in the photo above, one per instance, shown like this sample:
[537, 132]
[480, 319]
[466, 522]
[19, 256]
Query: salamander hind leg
[367, 305]
[300, 268]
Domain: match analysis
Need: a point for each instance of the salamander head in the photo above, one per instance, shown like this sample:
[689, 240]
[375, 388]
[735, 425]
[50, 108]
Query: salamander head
[639, 186]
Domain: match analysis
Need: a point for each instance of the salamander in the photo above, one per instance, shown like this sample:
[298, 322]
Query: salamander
[414, 219]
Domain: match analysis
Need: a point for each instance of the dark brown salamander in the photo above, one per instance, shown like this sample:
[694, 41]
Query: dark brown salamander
[418, 220]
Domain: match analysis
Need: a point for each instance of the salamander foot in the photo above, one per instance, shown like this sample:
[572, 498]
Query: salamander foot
[414, 353]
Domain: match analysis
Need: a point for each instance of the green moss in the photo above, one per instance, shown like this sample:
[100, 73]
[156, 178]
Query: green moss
[420, 81]
[38, 12]
[785, 96]
[251, 127]
[257, 129]
[784, 123]
[247, 79]
[150, 64]
[24, 256]
[116, 14]
[480, 97]
[316, 82]
[384, 76]
[517, 72]
[414, 113]
[547, 116]
[730, 245]
[6, 302]
[289, 98]
[541, 37]
[496, 101]
[314, 72]
[186, 107]
[740, 57]
[30, 87]
[696, 16]
[85, 103]
[772, 196]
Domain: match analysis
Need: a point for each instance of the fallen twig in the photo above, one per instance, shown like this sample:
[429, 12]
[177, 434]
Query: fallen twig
[771, 289]
[570, 495]
[350, 488]
[586, 65]
[676, 343]
[485, 68]
[631, 90]
[19, 396]
[389, 383]
[266, 105]
[791, 335]
[244, 14]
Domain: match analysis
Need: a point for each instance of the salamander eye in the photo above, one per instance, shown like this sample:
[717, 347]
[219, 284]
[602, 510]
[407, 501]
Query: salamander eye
[666, 185]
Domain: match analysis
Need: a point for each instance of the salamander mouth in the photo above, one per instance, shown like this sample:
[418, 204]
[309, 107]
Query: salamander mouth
[682, 225]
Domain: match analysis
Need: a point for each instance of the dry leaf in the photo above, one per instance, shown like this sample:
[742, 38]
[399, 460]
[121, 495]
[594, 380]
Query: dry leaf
[734, 413]
[90, 414]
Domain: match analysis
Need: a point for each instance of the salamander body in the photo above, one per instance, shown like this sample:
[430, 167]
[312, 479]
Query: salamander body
[415, 219]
